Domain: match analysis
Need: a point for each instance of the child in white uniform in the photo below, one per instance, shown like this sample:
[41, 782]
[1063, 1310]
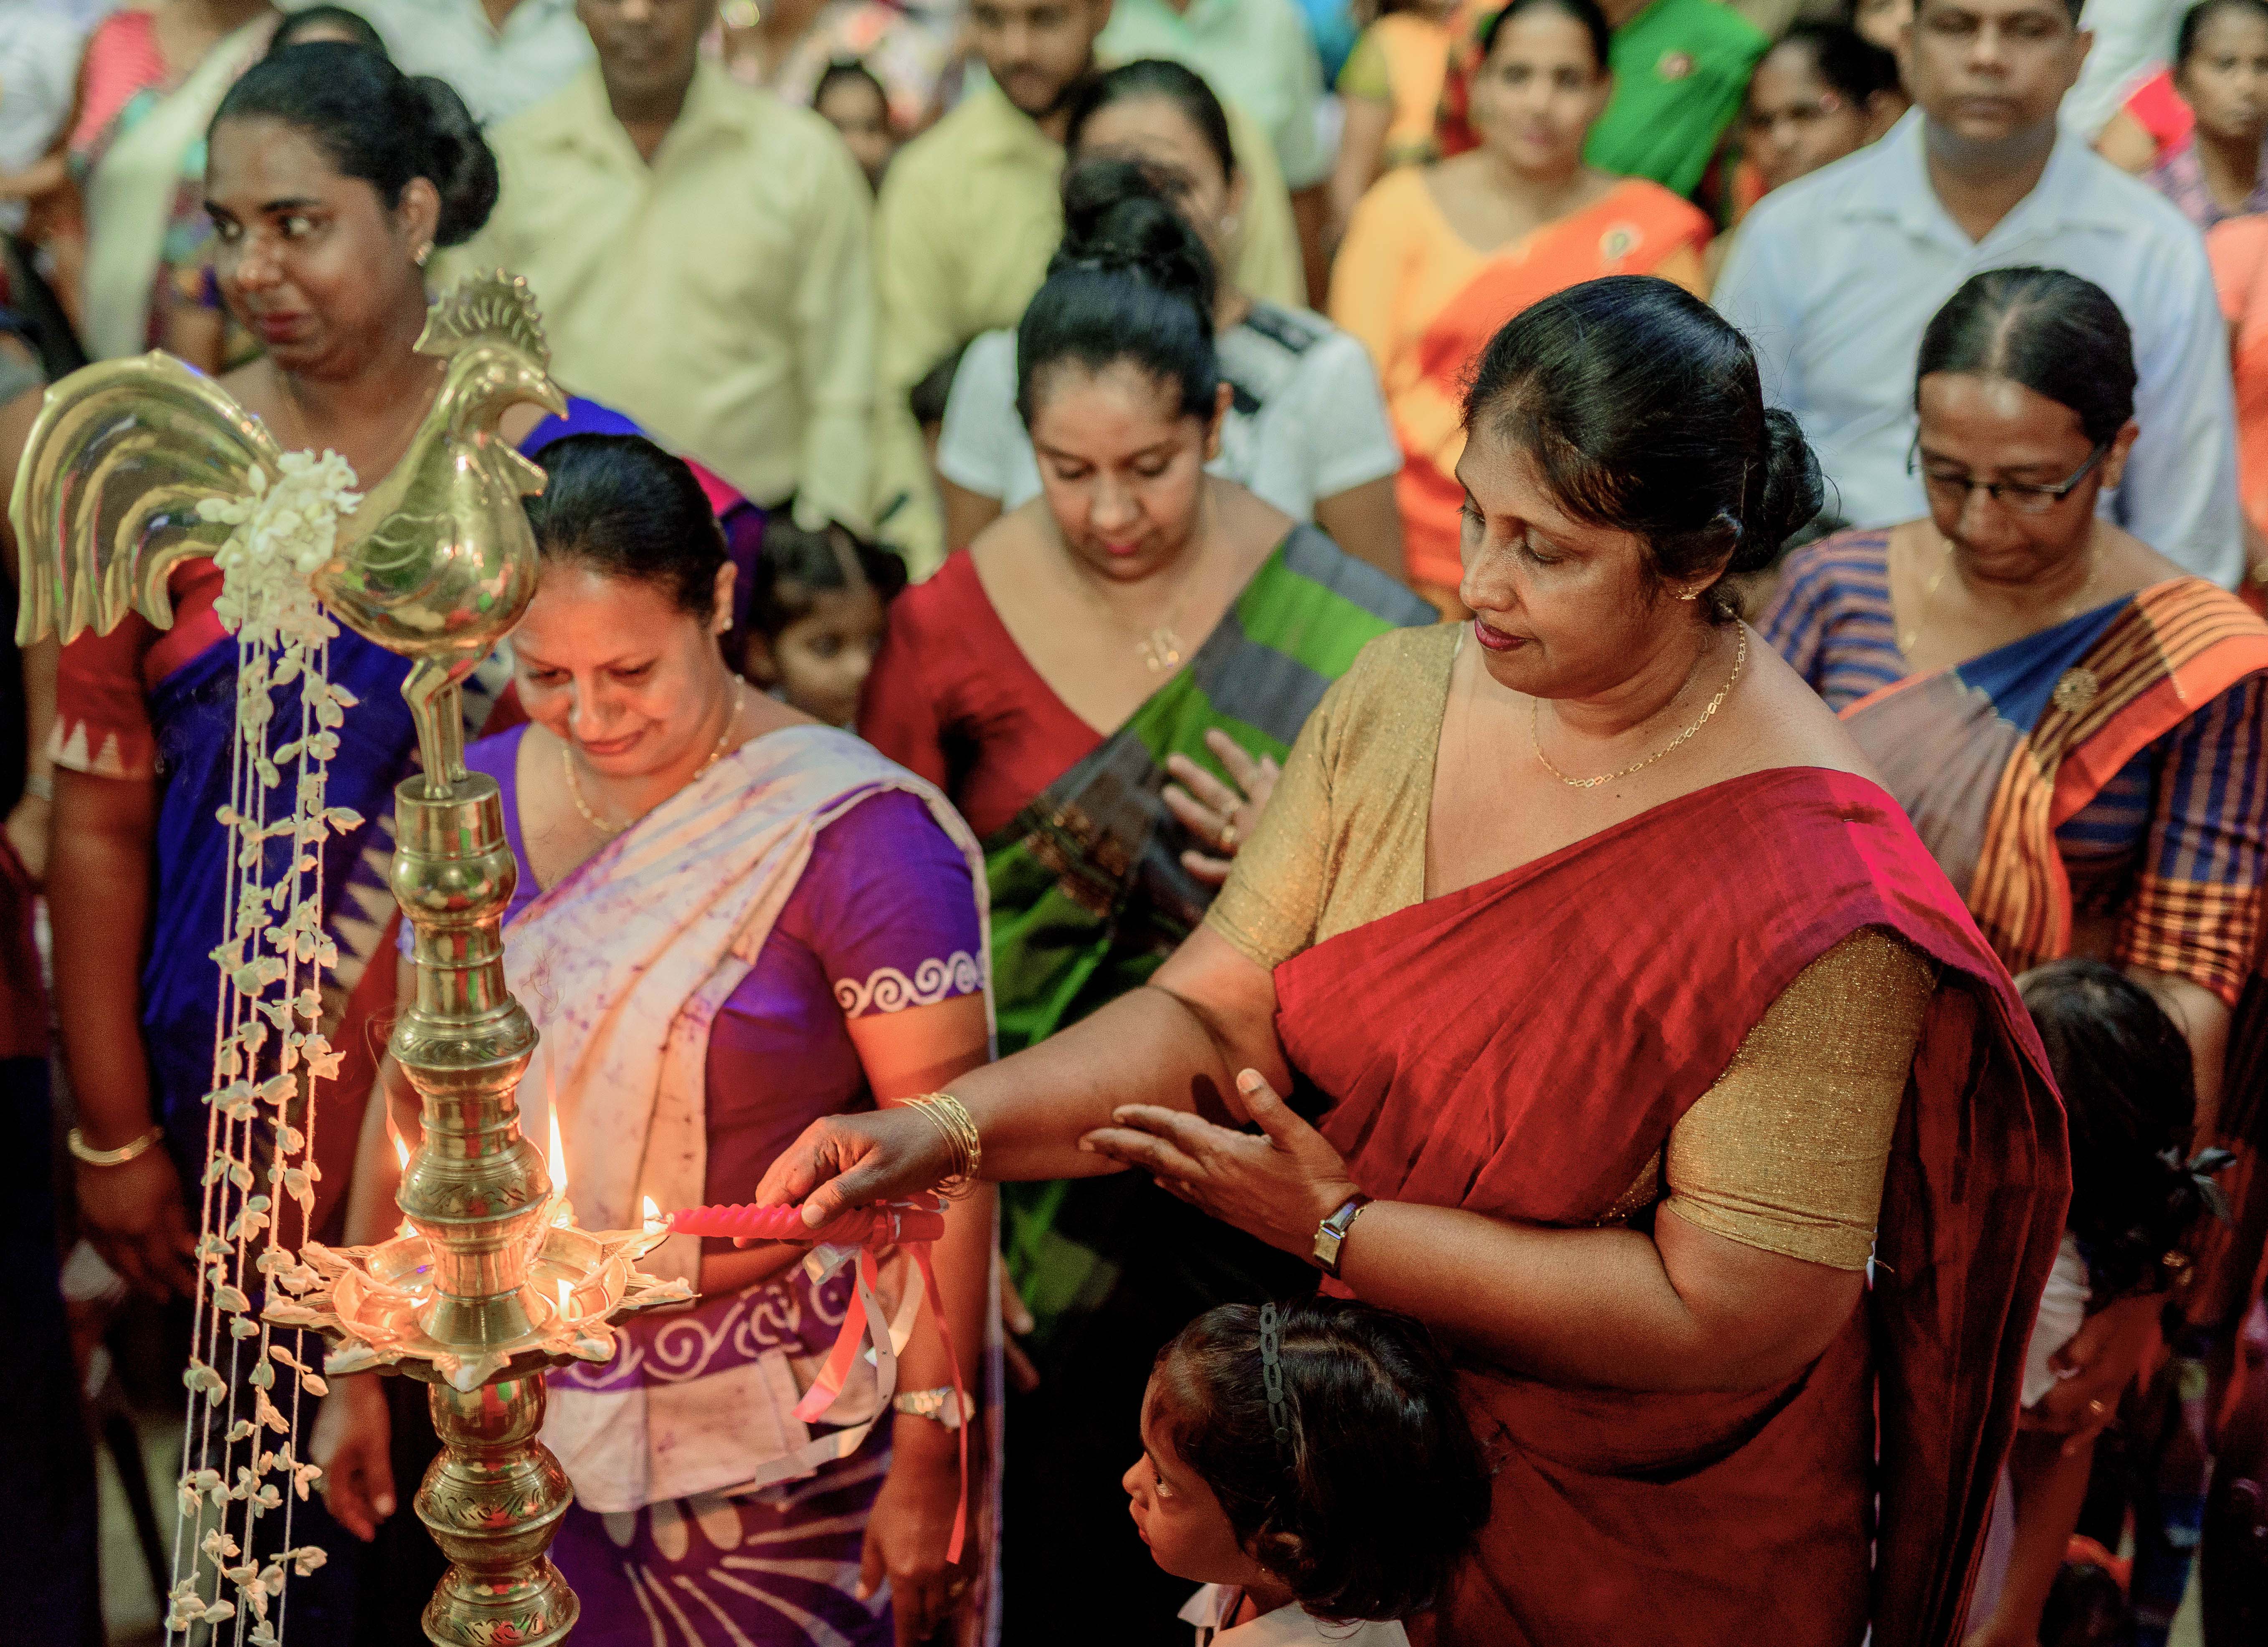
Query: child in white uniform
[1311, 1466]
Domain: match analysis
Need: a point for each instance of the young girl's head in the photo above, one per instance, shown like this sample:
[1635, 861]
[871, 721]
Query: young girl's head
[2130, 1097]
[1355, 1490]
[815, 614]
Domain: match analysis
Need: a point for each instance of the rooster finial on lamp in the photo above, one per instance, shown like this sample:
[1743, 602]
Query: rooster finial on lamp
[437, 563]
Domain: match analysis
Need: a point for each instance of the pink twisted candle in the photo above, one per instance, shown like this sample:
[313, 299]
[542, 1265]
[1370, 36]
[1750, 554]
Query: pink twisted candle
[887, 1224]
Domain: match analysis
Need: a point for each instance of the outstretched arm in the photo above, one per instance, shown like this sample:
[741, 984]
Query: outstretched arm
[1176, 1043]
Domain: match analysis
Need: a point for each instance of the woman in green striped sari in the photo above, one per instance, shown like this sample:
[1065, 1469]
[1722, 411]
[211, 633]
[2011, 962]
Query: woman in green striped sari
[1102, 682]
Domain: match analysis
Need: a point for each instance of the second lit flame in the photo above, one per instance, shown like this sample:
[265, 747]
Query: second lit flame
[400, 1156]
[558, 1158]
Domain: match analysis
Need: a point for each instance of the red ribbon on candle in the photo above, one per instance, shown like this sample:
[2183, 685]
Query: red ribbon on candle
[912, 1225]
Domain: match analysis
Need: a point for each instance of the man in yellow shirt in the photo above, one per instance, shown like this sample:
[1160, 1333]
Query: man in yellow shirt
[702, 253]
[971, 212]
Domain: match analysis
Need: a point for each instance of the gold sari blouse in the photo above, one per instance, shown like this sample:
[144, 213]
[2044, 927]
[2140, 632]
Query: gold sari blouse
[1787, 1150]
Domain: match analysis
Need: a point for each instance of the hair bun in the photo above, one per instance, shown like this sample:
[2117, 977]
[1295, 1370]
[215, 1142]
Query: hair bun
[1785, 493]
[1116, 217]
[458, 158]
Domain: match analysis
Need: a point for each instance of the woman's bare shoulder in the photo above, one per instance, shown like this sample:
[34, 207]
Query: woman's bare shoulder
[1013, 549]
[252, 385]
[1783, 722]
[2130, 564]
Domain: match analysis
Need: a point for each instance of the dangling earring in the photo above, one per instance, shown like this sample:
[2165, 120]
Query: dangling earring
[423, 252]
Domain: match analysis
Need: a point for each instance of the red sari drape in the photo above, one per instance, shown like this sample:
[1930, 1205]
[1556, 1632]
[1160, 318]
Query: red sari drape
[1521, 1048]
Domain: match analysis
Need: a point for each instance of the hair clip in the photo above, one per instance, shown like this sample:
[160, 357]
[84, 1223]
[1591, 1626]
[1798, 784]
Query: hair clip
[1271, 1378]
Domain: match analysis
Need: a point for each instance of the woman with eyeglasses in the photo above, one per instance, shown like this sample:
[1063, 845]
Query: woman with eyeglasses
[2074, 723]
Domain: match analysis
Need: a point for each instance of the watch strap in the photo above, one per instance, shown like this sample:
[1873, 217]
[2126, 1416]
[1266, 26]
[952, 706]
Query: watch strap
[942, 1404]
[1331, 1234]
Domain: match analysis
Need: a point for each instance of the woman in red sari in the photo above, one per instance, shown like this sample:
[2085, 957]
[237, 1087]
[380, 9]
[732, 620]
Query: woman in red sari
[1634, 1017]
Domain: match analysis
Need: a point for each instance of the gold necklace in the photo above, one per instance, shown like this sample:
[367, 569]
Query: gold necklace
[1535, 738]
[1162, 650]
[575, 789]
[1912, 631]
[2077, 604]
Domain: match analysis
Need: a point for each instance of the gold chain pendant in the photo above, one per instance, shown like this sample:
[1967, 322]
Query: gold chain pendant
[1162, 651]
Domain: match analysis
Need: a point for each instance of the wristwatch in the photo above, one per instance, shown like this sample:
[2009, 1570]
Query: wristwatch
[1331, 1234]
[942, 1404]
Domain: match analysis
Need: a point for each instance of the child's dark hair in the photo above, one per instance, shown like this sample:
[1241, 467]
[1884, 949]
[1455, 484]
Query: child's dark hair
[1372, 1505]
[622, 506]
[2130, 1094]
[1131, 282]
[797, 564]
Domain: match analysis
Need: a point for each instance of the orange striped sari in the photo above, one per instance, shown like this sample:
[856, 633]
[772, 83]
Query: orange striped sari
[2171, 651]
[1425, 302]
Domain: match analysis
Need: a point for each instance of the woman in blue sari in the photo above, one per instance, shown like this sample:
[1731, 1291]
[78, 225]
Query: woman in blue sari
[2078, 730]
[331, 178]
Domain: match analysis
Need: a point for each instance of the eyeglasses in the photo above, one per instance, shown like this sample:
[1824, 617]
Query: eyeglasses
[2021, 496]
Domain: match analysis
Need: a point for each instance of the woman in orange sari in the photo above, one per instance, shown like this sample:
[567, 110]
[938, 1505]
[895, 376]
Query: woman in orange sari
[1437, 258]
[1640, 1025]
[2239, 251]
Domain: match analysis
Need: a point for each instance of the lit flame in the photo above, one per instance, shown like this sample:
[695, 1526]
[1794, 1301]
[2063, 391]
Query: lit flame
[558, 1158]
[653, 1219]
[566, 1300]
[401, 1155]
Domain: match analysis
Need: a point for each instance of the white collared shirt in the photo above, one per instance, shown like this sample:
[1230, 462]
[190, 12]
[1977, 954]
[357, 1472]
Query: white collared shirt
[1290, 1626]
[498, 72]
[1834, 277]
[722, 293]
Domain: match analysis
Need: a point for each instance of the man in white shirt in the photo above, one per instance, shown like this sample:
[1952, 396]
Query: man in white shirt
[501, 55]
[1834, 277]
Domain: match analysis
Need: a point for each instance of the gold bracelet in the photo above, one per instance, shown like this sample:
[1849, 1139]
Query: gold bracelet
[84, 1152]
[951, 1118]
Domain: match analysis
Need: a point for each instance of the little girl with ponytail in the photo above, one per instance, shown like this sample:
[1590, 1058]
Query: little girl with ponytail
[1309, 1463]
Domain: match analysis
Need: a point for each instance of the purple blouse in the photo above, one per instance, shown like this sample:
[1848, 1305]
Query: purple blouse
[883, 917]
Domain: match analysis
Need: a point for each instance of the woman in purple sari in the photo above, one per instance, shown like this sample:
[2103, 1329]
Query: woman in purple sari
[729, 921]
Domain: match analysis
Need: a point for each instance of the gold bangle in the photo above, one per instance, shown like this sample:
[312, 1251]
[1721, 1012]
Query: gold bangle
[951, 1118]
[84, 1152]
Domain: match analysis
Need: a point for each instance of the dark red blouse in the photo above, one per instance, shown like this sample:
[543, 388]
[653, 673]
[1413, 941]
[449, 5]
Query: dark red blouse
[952, 698]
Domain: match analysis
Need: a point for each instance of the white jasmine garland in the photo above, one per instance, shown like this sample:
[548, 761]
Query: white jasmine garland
[269, 1052]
